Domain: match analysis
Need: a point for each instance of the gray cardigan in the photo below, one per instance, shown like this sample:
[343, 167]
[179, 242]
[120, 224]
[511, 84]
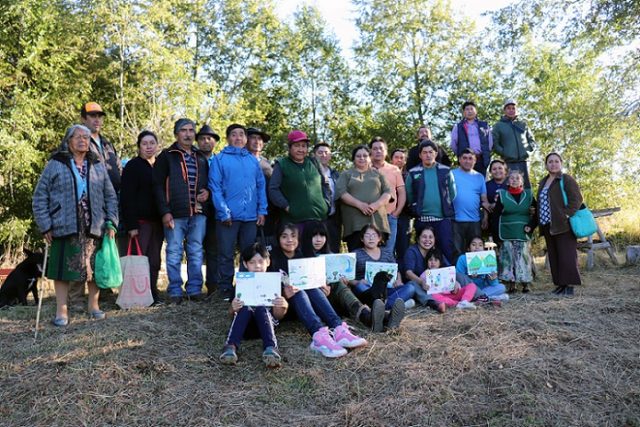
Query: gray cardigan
[55, 201]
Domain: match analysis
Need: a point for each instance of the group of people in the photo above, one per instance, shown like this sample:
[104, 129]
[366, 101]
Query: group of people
[206, 205]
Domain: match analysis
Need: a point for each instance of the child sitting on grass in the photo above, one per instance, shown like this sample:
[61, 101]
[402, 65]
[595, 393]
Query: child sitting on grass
[487, 283]
[251, 321]
[460, 296]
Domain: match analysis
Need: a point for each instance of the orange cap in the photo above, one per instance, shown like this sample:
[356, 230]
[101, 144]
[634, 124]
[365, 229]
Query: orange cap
[92, 108]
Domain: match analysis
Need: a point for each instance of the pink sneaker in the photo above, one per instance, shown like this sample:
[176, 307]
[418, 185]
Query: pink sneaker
[346, 339]
[324, 344]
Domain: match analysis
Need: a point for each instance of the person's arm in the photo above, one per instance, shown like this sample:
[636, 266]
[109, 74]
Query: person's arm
[280, 307]
[385, 195]
[160, 177]
[262, 194]
[490, 138]
[533, 217]
[348, 199]
[452, 186]
[216, 184]
[129, 187]
[110, 201]
[483, 197]
[531, 143]
[407, 186]
[574, 196]
[275, 193]
[497, 141]
[402, 199]
[454, 139]
[41, 201]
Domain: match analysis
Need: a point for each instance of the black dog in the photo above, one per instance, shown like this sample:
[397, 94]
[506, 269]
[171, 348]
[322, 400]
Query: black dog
[22, 280]
[379, 286]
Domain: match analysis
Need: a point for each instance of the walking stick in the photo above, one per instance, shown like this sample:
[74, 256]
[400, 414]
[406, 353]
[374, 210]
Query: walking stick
[41, 290]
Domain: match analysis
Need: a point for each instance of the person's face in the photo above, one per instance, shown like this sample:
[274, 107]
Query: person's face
[424, 133]
[186, 135]
[318, 241]
[378, 151]
[399, 159]
[148, 147]
[371, 239]
[467, 161]
[237, 138]
[93, 121]
[206, 143]
[511, 111]
[362, 160]
[257, 264]
[515, 180]
[298, 151]
[470, 112]
[476, 245]
[428, 156]
[255, 144]
[498, 171]
[288, 240]
[323, 154]
[433, 263]
[427, 240]
[554, 164]
[79, 142]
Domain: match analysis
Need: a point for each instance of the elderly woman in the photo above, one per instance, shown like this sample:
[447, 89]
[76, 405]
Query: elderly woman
[139, 208]
[365, 194]
[74, 204]
[553, 216]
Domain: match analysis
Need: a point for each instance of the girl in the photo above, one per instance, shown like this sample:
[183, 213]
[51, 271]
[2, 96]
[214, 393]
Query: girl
[311, 305]
[488, 283]
[315, 241]
[371, 238]
[515, 207]
[246, 320]
[461, 296]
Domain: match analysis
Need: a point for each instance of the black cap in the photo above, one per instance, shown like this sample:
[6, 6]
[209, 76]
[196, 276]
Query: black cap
[257, 131]
[206, 130]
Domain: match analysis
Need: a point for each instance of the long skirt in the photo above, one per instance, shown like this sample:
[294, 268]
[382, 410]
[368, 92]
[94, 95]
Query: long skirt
[515, 261]
[72, 258]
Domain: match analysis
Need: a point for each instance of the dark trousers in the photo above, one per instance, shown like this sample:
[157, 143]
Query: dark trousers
[403, 237]
[479, 166]
[150, 237]
[334, 228]
[243, 232]
[562, 250]
[211, 255]
[444, 235]
[463, 232]
[522, 167]
[247, 320]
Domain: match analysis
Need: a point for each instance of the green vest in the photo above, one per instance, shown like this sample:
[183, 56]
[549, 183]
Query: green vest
[515, 215]
[302, 187]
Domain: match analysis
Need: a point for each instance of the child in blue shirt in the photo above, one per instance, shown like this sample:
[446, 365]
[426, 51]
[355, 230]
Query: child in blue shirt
[487, 283]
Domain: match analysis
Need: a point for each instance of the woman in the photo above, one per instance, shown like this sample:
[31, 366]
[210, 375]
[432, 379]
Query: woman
[516, 223]
[139, 209]
[498, 181]
[372, 252]
[553, 217]
[415, 263]
[74, 204]
[365, 194]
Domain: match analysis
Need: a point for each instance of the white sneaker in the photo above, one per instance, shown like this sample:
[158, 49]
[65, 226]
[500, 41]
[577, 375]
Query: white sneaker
[410, 303]
[466, 304]
[501, 297]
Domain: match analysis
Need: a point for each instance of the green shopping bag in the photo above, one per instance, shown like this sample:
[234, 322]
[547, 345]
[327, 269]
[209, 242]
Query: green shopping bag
[107, 272]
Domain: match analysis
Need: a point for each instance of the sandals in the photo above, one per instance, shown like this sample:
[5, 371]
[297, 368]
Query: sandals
[97, 315]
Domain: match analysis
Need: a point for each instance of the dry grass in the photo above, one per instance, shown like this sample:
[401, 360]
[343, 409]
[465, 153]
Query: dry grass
[538, 361]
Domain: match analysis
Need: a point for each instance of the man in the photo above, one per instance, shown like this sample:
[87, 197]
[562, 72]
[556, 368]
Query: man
[431, 190]
[180, 186]
[239, 195]
[297, 186]
[424, 134]
[475, 134]
[399, 159]
[513, 140]
[207, 139]
[322, 152]
[256, 139]
[92, 116]
[394, 179]
[471, 191]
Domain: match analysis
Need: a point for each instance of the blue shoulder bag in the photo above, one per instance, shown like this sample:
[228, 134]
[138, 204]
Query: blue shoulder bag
[583, 224]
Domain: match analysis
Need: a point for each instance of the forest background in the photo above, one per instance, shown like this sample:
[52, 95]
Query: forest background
[574, 67]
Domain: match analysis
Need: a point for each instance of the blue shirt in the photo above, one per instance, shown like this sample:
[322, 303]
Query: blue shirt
[469, 187]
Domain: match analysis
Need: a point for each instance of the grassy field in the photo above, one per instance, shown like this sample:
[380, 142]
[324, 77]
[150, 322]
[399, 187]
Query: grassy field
[539, 360]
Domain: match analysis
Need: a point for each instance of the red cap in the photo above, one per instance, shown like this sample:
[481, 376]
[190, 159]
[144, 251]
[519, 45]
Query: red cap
[297, 136]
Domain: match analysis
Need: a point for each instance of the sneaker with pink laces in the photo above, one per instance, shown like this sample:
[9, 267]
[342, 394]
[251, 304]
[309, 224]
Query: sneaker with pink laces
[343, 337]
[324, 344]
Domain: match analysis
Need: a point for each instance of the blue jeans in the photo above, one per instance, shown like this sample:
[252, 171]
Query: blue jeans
[490, 288]
[404, 292]
[249, 318]
[313, 308]
[187, 233]
[244, 232]
[393, 229]
[421, 296]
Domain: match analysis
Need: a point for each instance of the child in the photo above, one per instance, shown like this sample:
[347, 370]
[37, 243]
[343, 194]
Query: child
[461, 296]
[315, 241]
[255, 259]
[311, 305]
[488, 283]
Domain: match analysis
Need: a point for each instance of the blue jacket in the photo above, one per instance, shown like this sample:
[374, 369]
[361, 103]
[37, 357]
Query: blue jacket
[444, 186]
[237, 185]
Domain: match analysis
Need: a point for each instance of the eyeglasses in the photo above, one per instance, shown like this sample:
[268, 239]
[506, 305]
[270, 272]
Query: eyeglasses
[370, 235]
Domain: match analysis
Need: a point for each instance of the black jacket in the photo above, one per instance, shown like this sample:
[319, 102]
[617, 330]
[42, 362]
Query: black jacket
[137, 201]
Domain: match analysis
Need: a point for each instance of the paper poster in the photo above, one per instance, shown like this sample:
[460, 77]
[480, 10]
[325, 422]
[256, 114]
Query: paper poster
[255, 289]
[373, 268]
[440, 280]
[340, 265]
[483, 262]
[307, 273]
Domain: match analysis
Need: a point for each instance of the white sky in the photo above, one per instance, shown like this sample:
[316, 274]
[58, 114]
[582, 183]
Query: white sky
[340, 15]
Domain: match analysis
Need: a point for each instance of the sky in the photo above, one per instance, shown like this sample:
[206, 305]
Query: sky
[340, 15]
